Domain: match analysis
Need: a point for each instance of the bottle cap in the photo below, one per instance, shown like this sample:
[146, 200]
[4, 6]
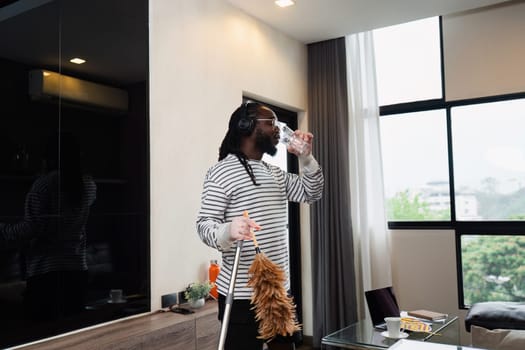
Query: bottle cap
[213, 261]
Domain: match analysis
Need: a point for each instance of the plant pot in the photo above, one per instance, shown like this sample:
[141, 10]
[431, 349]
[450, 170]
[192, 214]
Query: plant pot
[196, 304]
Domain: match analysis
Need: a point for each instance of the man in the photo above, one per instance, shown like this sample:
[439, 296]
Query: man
[240, 182]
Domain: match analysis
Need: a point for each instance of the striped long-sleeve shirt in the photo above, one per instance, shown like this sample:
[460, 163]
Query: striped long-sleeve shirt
[53, 234]
[229, 191]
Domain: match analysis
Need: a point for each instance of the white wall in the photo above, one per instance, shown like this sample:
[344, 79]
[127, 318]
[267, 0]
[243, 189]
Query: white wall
[204, 54]
[484, 51]
[424, 272]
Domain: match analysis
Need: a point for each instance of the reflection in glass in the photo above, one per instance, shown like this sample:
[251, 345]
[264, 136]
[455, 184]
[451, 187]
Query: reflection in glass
[415, 166]
[52, 234]
[73, 173]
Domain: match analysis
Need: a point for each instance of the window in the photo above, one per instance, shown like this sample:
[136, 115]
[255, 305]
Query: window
[414, 149]
[413, 138]
[489, 160]
[503, 279]
[408, 53]
[452, 164]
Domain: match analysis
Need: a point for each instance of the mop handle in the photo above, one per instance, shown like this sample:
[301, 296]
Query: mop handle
[229, 297]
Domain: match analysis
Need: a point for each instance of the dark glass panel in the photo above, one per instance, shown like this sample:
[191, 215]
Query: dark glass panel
[75, 161]
[24, 128]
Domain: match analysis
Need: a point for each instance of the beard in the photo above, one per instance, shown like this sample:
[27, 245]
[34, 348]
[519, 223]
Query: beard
[264, 143]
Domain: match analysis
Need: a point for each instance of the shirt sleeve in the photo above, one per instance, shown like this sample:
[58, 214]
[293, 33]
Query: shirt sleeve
[308, 163]
[308, 186]
[211, 225]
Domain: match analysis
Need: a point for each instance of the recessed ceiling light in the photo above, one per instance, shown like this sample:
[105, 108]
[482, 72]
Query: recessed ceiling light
[284, 3]
[77, 60]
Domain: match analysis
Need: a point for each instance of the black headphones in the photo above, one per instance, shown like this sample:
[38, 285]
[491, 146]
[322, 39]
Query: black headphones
[246, 122]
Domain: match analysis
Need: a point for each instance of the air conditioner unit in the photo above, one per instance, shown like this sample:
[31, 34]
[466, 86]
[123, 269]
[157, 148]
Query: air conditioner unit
[48, 85]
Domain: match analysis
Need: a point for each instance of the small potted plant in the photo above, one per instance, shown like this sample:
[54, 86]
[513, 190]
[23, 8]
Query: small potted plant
[197, 292]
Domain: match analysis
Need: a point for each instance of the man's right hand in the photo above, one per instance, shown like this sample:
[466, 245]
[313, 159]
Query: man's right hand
[242, 228]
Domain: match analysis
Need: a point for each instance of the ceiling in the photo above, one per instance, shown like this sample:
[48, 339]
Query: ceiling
[316, 20]
[106, 31]
[111, 35]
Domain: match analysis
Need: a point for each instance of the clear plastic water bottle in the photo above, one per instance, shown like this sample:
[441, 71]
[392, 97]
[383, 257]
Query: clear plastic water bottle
[288, 138]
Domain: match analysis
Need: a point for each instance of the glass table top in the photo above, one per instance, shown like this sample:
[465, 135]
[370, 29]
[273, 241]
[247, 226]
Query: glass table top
[362, 335]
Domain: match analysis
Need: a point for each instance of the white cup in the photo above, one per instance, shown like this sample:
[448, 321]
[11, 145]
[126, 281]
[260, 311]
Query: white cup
[115, 295]
[393, 326]
[288, 138]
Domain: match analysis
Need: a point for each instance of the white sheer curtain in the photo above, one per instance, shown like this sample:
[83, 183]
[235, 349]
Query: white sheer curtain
[371, 238]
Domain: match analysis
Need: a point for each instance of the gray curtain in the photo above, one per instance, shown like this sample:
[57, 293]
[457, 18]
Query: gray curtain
[333, 274]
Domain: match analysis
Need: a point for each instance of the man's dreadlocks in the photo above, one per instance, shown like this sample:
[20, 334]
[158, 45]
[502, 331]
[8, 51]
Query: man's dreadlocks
[232, 141]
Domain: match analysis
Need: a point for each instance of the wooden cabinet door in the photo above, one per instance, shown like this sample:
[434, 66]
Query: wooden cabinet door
[208, 332]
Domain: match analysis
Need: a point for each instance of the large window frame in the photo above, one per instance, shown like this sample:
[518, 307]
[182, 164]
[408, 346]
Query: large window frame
[460, 227]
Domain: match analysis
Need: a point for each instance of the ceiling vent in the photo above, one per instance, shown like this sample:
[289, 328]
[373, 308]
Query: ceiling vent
[51, 86]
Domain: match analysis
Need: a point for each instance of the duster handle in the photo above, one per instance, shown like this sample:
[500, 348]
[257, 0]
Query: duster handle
[257, 249]
[229, 297]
